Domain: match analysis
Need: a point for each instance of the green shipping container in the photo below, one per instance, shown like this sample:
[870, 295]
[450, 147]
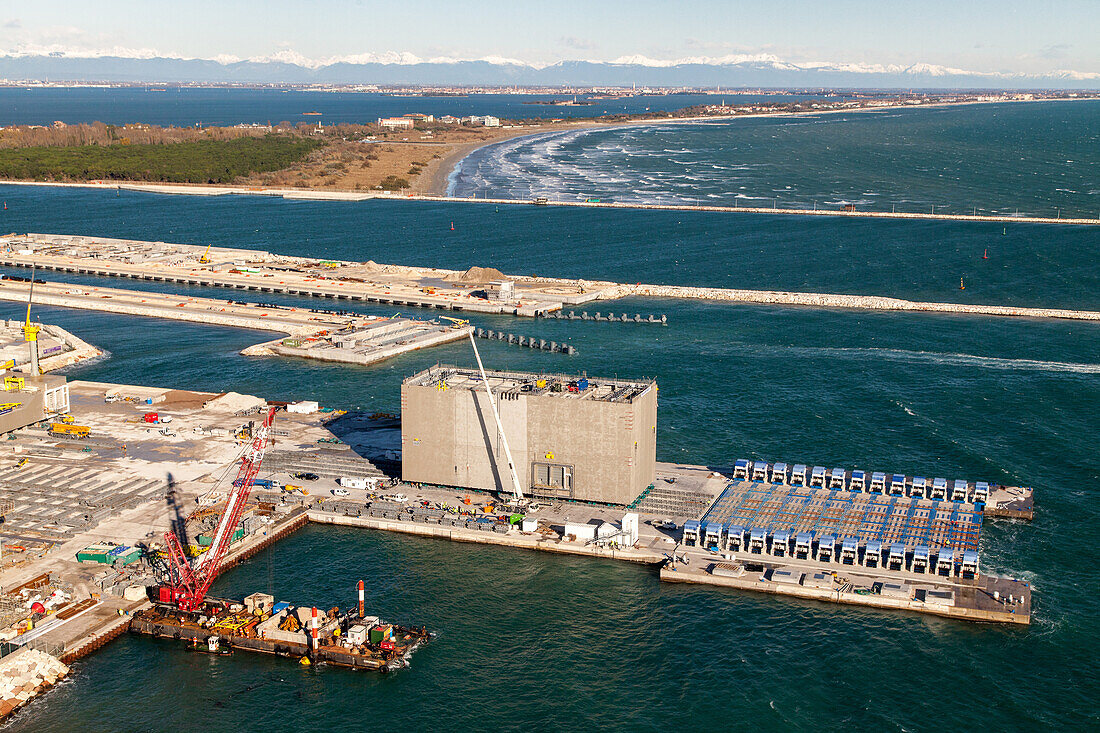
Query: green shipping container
[205, 540]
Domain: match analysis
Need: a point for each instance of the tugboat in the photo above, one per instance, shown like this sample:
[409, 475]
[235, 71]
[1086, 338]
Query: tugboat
[213, 646]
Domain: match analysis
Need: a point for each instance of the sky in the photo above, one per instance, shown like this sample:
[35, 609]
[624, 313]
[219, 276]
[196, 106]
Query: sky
[1011, 36]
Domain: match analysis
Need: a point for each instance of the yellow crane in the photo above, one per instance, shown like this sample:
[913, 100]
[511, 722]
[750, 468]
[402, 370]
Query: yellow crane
[455, 322]
[205, 258]
[30, 331]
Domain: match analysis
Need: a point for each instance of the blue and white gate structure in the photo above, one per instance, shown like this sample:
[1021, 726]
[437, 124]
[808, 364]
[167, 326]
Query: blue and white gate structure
[758, 540]
[969, 565]
[837, 479]
[712, 534]
[920, 561]
[781, 543]
[945, 562]
[858, 481]
[735, 537]
[918, 487]
[872, 554]
[690, 535]
[849, 551]
[803, 545]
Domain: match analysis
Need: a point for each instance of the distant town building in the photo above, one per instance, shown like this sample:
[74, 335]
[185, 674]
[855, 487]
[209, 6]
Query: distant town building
[482, 120]
[420, 117]
[396, 123]
[449, 120]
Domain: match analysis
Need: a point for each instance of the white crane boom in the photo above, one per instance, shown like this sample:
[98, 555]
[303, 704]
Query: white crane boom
[516, 490]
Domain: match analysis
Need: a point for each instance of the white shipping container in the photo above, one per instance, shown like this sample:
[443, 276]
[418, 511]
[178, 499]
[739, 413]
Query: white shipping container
[307, 407]
[353, 483]
[583, 532]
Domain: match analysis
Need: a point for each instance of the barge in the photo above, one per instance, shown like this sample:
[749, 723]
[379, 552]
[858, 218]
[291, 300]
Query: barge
[349, 638]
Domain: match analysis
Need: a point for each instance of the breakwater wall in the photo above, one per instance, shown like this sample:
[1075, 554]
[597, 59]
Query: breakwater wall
[830, 300]
[301, 194]
[24, 675]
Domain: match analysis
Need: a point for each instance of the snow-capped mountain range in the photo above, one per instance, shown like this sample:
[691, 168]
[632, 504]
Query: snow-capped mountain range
[289, 67]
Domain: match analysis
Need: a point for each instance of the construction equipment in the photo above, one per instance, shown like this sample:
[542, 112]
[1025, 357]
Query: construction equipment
[517, 491]
[187, 585]
[61, 430]
[455, 322]
[14, 384]
[7, 506]
[30, 332]
[204, 259]
[7, 407]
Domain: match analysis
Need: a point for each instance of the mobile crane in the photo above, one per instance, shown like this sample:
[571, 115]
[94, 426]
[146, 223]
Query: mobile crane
[187, 584]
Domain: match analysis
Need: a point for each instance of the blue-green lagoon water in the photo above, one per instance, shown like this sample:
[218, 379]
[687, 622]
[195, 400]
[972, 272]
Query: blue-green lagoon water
[1035, 159]
[530, 640]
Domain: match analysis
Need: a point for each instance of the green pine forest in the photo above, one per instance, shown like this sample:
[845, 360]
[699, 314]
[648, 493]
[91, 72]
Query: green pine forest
[200, 161]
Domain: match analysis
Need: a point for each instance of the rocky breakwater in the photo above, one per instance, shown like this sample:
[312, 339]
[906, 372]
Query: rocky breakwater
[828, 300]
[25, 674]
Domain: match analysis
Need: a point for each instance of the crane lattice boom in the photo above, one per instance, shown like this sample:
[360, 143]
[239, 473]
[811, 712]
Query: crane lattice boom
[189, 584]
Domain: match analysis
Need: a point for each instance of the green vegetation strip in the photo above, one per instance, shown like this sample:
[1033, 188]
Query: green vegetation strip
[203, 161]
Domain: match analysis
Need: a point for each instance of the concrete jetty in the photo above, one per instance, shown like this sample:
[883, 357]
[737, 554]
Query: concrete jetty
[312, 335]
[480, 290]
[832, 300]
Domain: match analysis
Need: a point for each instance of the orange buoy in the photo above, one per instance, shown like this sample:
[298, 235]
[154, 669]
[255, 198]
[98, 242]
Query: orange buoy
[985, 255]
[452, 225]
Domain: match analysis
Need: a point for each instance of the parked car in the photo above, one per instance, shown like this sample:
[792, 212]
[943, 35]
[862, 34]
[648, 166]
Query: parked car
[340, 492]
[305, 476]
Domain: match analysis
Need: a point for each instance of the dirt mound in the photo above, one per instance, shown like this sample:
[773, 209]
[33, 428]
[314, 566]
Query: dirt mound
[477, 275]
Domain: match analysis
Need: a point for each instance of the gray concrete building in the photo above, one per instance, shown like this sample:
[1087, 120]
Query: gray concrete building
[571, 437]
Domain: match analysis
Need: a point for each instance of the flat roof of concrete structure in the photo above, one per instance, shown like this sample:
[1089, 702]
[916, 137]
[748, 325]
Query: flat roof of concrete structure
[597, 389]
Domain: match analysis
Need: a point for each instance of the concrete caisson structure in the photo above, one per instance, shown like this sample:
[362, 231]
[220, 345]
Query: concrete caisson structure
[571, 437]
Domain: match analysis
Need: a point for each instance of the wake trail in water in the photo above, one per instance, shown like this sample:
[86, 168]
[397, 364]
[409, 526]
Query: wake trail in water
[953, 359]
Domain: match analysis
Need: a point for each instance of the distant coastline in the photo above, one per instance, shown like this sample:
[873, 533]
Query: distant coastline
[439, 184]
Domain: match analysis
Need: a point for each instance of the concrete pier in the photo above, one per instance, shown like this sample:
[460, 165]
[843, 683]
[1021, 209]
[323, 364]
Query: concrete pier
[398, 285]
[262, 272]
[324, 336]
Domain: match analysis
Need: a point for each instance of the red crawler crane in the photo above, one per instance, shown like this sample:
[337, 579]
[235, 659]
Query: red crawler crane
[187, 585]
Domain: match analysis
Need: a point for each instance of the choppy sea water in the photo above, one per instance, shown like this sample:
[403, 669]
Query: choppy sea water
[531, 640]
[1034, 159]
